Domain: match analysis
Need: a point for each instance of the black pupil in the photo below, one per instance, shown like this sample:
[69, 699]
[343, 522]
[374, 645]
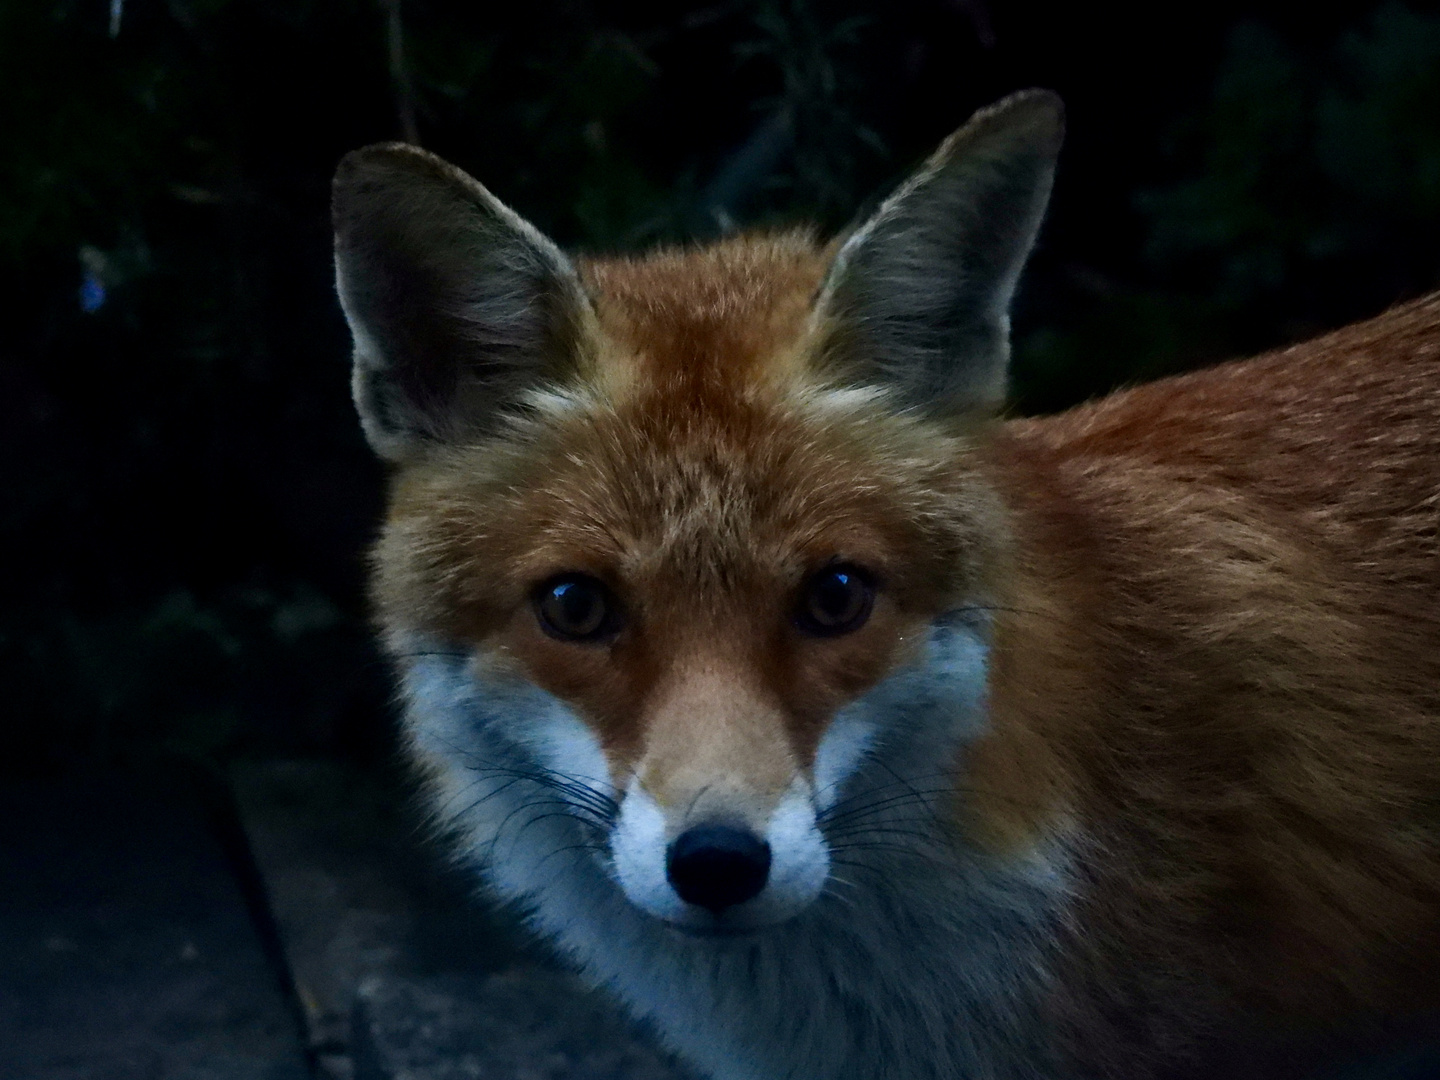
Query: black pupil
[575, 608]
[835, 598]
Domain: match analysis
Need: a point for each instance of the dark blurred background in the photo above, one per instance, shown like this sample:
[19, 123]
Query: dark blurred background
[187, 498]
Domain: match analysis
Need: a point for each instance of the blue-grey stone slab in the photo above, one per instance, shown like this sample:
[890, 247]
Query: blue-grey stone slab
[127, 950]
[527, 1024]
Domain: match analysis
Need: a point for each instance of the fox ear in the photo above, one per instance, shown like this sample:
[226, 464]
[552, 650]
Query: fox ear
[456, 303]
[918, 297]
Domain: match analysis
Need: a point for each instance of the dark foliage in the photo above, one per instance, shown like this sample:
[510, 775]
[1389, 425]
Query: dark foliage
[188, 497]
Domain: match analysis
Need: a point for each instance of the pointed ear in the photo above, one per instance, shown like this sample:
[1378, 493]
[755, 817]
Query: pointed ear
[456, 303]
[918, 297]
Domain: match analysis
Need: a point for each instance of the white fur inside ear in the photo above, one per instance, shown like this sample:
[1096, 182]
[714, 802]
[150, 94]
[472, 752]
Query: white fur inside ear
[456, 303]
[916, 299]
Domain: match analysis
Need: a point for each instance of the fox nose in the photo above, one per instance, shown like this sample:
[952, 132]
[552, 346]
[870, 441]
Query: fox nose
[717, 866]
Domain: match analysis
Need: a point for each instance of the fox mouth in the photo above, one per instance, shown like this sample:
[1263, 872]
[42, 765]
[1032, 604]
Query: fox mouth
[716, 932]
[732, 925]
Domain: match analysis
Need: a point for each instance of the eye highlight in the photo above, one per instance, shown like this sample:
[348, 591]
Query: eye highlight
[576, 607]
[837, 600]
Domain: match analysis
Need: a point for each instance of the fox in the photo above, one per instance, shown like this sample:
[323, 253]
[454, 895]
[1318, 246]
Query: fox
[841, 724]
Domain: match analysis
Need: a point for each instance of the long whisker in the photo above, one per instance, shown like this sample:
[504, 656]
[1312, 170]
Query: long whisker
[882, 803]
[575, 790]
[948, 775]
[877, 831]
[881, 878]
[838, 896]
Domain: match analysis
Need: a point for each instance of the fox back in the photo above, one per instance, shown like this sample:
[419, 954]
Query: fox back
[842, 728]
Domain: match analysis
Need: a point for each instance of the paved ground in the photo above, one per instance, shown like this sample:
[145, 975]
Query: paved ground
[156, 927]
[128, 951]
[401, 969]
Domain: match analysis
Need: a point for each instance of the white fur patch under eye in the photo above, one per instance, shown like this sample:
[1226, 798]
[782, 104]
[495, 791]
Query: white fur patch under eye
[566, 745]
[503, 757]
[841, 750]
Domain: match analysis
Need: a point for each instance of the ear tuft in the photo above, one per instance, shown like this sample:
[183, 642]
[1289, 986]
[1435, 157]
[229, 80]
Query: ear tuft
[456, 304]
[918, 297]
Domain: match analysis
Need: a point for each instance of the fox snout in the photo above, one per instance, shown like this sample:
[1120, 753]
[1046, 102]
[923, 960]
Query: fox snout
[716, 871]
[717, 830]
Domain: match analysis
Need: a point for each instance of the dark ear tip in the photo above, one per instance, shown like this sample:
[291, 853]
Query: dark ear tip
[1038, 111]
[380, 161]
[1038, 98]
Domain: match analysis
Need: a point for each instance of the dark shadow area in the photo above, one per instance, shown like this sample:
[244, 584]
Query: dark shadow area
[128, 951]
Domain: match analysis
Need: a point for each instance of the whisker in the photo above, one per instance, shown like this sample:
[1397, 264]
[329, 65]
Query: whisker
[879, 804]
[593, 849]
[836, 895]
[851, 864]
[880, 845]
[950, 775]
[475, 805]
[882, 830]
[925, 858]
[577, 792]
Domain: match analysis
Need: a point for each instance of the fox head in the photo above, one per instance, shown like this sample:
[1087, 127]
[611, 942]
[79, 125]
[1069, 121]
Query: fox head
[677, 544]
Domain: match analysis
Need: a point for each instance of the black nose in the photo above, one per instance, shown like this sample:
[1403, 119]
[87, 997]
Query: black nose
[717, 866]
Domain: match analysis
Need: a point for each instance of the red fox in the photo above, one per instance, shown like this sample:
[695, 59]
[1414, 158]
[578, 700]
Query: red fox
[844, 729]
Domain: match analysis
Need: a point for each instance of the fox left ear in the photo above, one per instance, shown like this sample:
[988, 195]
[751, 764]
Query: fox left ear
[457, 305]
[918, 298]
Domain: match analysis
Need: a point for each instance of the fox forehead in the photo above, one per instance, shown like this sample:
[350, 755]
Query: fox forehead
[711, 321]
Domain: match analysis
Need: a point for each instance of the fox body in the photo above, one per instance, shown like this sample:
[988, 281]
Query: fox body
[844, 730]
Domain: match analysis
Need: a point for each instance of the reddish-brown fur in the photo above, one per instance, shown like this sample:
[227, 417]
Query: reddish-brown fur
[1222, 647]
[1217, 620]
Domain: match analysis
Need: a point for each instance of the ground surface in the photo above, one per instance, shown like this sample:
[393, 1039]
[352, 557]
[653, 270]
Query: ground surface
[287, 922]
[401, 970]
[128, 951]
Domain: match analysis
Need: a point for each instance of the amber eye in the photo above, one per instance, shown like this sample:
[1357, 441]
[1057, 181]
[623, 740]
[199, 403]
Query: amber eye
[576, 607]
[835, 601]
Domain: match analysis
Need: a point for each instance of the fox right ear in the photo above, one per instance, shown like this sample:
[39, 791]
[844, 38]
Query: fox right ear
[456, 304]
[917, 299]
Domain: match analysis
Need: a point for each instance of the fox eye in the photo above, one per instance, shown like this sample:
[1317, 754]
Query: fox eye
[835, 601]
[576, 607]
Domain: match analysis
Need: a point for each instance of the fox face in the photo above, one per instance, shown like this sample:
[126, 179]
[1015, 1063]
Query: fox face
[700, 607]
[667, 534]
